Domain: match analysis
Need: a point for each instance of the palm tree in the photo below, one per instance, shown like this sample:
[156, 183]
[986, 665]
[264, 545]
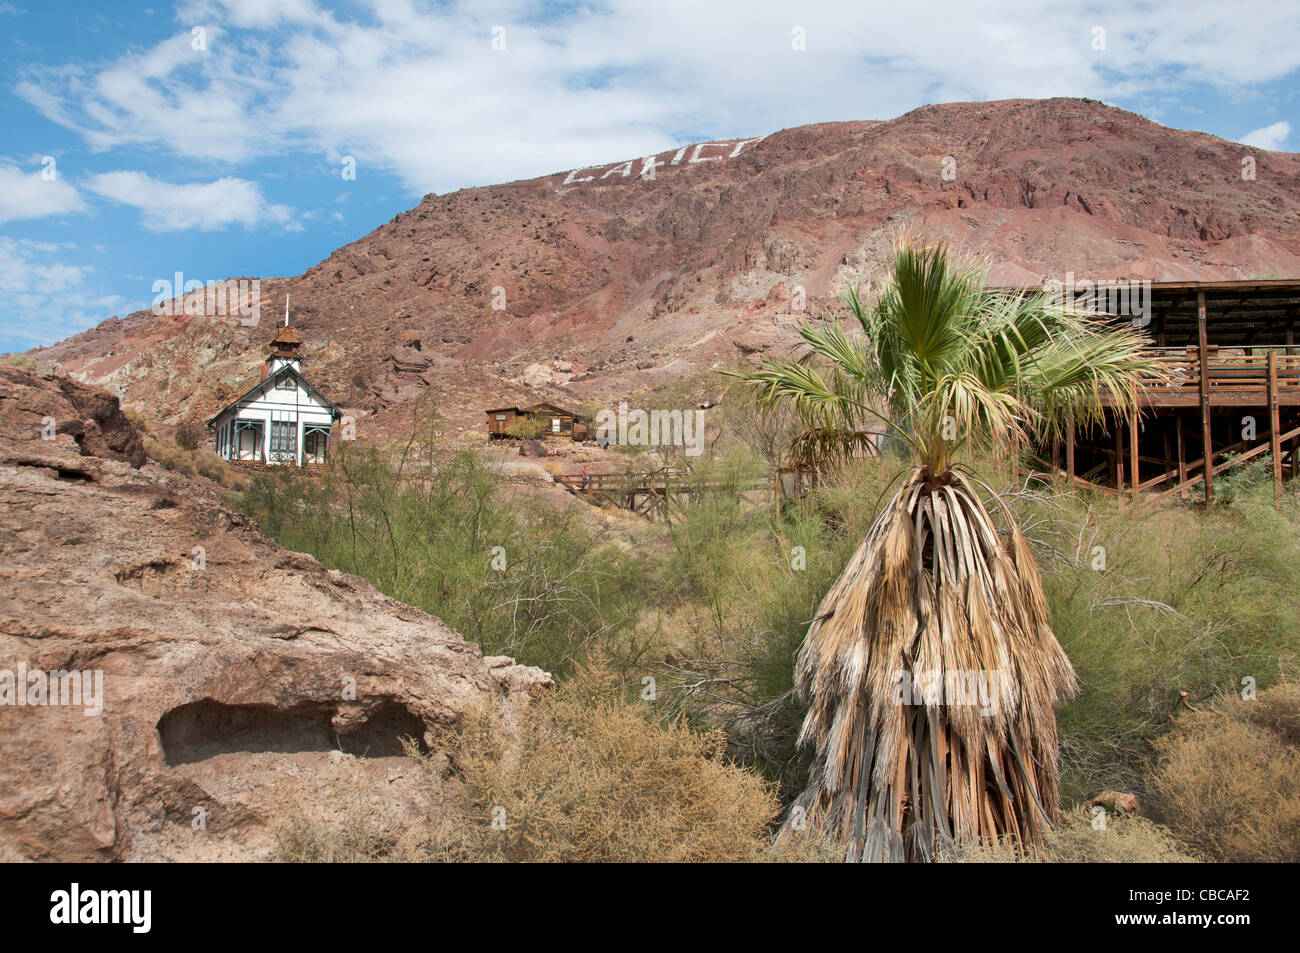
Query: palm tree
[931, 668]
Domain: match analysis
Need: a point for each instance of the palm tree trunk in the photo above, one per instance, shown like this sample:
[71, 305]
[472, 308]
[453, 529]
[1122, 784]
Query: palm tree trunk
[933, 676]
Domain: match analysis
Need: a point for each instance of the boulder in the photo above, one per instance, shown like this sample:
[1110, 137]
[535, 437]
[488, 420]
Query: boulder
[1117, 801]
[536, 375]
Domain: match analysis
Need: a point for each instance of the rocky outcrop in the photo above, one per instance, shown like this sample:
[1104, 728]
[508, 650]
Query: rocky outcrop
[52, 407]
[169, 678]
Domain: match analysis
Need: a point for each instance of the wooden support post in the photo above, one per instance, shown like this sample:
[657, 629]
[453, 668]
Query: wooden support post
[1119, 455]
[1134, 435]
[1182, 457]
[1274, 427]
[1202, 348]
[1069, 449]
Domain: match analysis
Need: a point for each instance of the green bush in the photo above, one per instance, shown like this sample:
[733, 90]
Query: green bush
[448, 535]
[525, 428]
[1184, 600]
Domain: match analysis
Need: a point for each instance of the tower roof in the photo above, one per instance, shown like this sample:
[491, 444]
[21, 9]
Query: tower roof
[285, 344]
[286, 337]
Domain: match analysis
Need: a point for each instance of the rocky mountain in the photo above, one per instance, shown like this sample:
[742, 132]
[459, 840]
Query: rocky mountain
[588, 285]
[169, 678]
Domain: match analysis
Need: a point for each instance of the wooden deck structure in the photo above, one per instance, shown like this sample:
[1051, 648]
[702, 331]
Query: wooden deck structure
[650, 494]
[1233, 395]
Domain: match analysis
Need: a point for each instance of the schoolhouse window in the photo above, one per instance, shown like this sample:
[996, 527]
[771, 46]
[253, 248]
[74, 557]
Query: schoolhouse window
[284, 436]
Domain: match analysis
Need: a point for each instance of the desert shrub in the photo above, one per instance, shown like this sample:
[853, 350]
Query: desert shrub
[203, 463]
[171, 457]
[426, 530]
[1245, 483]
[137, 420]
[1125, 839]
[736, 581]
[1227, 777]
[589, 777]
[525, 428]
[208, 464]
[24, 362]
[1152, 603]
[187, 437]
[354, 820]
[584, 777]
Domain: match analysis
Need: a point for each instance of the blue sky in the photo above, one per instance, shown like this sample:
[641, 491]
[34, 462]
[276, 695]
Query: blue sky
[210, 136]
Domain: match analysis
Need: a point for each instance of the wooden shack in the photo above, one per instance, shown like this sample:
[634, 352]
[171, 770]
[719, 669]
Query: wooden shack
[553, 421]
[499, 419]
[1232, 395]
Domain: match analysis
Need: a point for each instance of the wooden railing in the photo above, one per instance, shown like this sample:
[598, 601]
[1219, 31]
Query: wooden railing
[1259, 383]
[1230, 373]
[650, 493]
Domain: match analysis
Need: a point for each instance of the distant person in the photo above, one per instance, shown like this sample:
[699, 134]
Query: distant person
[586, 478]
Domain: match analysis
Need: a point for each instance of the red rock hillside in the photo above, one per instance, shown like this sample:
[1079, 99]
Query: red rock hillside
[627, 274]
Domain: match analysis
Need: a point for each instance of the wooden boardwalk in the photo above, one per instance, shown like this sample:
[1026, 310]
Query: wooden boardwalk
[650, 494]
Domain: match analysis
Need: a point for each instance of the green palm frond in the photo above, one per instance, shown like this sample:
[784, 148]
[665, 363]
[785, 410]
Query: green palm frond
[954, 364]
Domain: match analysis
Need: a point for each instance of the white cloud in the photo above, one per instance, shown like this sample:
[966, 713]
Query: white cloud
[32, 195]
[55, 298]
[417, 89]
[170, 207]
[1270, 137]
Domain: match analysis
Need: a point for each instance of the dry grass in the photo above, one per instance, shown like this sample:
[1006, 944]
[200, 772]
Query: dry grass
[358, 821]
[1125, 839]
[1227, 778]
[592, 778]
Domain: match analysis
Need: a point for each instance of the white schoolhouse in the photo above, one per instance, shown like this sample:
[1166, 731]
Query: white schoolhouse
[283, 418]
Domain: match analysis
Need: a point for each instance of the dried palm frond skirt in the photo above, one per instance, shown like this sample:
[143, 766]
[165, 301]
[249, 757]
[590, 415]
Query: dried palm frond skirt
[933, 677]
